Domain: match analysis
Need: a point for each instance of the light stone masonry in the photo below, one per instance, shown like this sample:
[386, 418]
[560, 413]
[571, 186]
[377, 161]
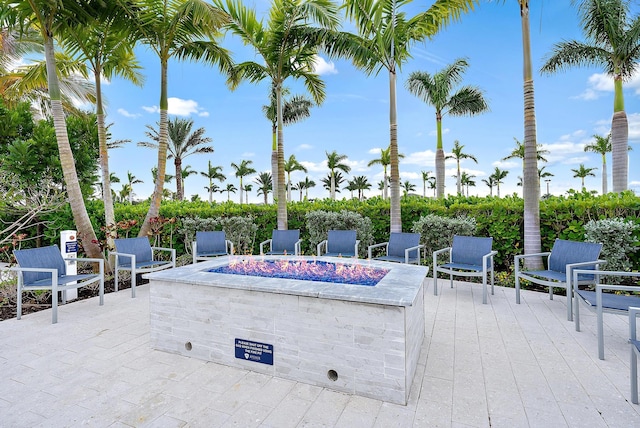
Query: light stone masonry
[362, 340]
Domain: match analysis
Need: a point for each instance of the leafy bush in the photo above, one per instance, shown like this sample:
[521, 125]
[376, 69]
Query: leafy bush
[617, 238]
[320, 222]
[437, 232]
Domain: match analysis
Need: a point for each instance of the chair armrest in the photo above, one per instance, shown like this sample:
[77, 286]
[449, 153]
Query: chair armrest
[297, 250]
[375, 246]
[229, 246]
[90, 259]
[408, 250]
[319, 247]
[170, 250]
[488, 256]
[572, 266]
[262, 244]
[25, 269]
[633, 316]
[438, 252]
[524, 256]
[355, 249]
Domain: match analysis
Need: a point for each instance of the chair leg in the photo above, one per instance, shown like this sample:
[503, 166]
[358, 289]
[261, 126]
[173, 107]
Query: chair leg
[54, 302]
[19, 296]
[517, 275]
[550, 293]
[451, 280]
[600, 332]
[435, 281]
[133, 281]
[484, 287]
[634, 375]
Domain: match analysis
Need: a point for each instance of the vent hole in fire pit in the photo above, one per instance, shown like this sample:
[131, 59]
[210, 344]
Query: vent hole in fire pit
[332, 375]
[188, 346]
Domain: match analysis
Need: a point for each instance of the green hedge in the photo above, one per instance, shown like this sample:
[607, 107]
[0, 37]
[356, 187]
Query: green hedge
[560, 217]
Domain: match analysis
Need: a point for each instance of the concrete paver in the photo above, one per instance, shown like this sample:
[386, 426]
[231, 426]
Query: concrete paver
[498, 365]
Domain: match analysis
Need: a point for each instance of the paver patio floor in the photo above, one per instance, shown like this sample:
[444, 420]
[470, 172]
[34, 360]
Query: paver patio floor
[498, 365]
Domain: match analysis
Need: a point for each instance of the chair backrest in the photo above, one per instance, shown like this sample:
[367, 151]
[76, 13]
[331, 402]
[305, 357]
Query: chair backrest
[43, 257]
[341, 241]
[566, 252]
[284, 240]
[138, 246]
[211, 242]
[400, 241]
[469, 250]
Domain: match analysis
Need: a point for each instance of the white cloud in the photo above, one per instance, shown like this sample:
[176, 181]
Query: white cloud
[180, 107]
[508, 164]
[600, 83]
[575, 160]
[374, 151]
[125, 113]
[304, 147]
[247, 155]
[411, 176]
[435, 132]
[427, 157]
[315, 167]
[321, 66]
[634, 127]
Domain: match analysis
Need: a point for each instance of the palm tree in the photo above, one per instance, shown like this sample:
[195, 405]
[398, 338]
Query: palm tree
[106, 48]
[491, 182]
[435, 90]
[181, 143]
[335, 180]
[407, 187]
[294, 109]
[385, 161]
[334, 162]
[125, 193]
[498, 175]
[432, 185]
[351, 187]
[181, 29]
[426, 175]
[265, 184]
[602, 146]
[287, 46]
[211, 189]
[458, 154]
[213, 173]
[242, 170]
[131, 180]
[186, 172]
[247, 189]
[613, 43]
[385, 39]
[290, 166]
[466, 181]
[306, 185]
[50, 19]
[518, 152]
[361, 183]
[581, 172]
[229, 189]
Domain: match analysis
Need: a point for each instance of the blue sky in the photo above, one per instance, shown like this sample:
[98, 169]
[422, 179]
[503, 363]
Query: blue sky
[571, 106]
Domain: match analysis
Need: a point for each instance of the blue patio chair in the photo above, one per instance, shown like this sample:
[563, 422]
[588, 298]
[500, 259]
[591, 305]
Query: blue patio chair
[209, 245]
[561, 260]
[635, 352]
[469, 256]
[282, 242]
[137, 256]
[45, 269]
[339, 243]
[602, 302]
[401, 248]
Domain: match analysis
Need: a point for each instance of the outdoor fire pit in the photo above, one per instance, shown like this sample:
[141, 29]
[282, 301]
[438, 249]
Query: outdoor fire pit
[354, 326]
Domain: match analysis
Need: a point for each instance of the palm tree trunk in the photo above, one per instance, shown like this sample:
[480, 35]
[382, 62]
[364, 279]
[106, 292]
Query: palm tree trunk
[282, 197]
[274, 164]
[604, 174]
[385, 186]
[76, 201]
[156, 198]
[619, 151]
[332, 189]
[107, 198]
[439, 158]
[179, 189]
[241, 189]
[396, 215]
[459, 182]
[530, 184]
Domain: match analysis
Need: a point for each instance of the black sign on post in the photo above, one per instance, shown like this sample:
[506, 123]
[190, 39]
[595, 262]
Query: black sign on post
[254, 351]
[71, 246]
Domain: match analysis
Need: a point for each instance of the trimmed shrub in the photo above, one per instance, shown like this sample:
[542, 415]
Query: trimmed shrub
[617, 238]
[437, 232]
[240, 230]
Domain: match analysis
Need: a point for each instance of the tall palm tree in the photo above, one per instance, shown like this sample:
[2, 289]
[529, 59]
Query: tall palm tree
[242, 170]
[50, 19]
[306, 185]
[131, 180]
[490, 182]
[407, 187]
[582, 172]
[294, 109]
[425, 177]
[458, 154]
[211, 189]
[181, 143]
[335, 180]
[265, 184]
[385, 39]
[287, 46]
[213, 173]
[602, 146]
[247, 189]
[335, 162]
[290, 166]
[613, 43]
[106, 48]
[385, 161]
[467, 181]
[436, 90]
[361, 183]
[229, 189]
[176, 30]
[432, 185]
[497, 176]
